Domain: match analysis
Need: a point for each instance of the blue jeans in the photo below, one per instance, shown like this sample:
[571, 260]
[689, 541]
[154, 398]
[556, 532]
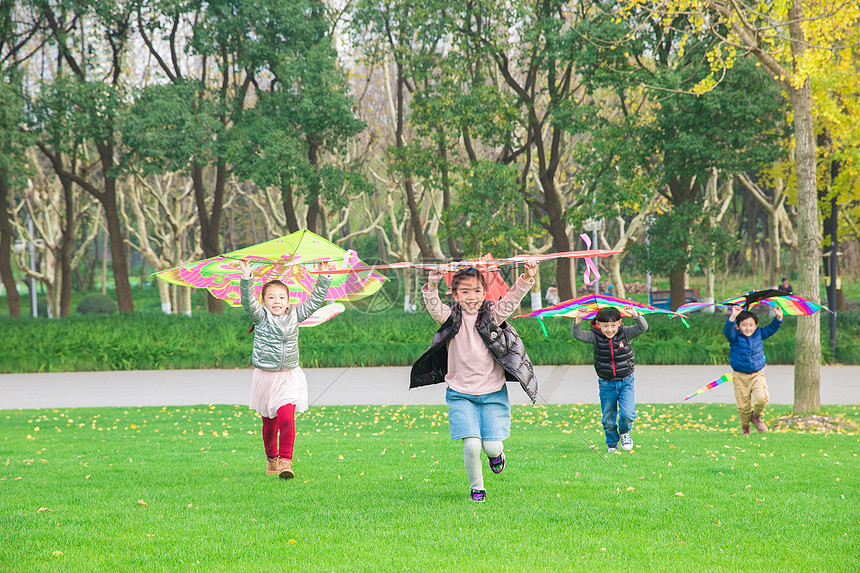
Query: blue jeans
[616, 401]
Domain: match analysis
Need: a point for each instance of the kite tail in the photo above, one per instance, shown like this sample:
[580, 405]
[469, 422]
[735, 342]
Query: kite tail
[543, 327]
[590, 267]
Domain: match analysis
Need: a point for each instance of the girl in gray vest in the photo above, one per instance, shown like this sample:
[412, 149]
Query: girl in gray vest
[613, 361]
[279, 387]
[474, 352]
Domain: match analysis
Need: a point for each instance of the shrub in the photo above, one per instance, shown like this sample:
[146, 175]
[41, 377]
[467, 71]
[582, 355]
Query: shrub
[97, 303]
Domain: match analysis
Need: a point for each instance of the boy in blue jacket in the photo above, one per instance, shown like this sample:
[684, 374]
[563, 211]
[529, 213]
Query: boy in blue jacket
[747, 359]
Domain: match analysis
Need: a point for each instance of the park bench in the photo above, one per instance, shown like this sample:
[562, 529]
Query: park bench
[661, 298]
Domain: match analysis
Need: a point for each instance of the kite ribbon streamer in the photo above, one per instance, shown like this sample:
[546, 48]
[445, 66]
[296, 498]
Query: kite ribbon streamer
[590, 267]
[709, 385]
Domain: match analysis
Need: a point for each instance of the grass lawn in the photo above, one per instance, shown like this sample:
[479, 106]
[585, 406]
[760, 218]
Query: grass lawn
[384, 489]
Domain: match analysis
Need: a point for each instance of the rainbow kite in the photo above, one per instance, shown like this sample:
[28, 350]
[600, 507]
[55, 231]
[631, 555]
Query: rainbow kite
[709, 385]
[791, 305]
[286, 259]
[595, 302]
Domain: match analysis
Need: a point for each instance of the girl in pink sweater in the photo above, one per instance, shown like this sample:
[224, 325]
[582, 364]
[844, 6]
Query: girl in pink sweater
[474, 352]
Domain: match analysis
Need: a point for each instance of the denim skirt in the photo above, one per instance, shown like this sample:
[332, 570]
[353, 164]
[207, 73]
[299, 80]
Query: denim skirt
[485, 416]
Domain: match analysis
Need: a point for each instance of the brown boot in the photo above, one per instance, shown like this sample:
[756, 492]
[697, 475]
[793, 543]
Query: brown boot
[745, 430]
[271, 466]
[285, 469]
[759, 425]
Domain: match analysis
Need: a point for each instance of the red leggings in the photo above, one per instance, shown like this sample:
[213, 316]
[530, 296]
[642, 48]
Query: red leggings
[285, 422]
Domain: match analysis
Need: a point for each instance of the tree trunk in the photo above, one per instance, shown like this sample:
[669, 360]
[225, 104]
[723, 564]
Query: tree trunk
[209, 223]
[13, 298]
[453, 249]
[119, 264]
[66, 249]
[313, 215]
[807, 370]
[677, 289]
[289, 209]
[557, 228]
[411, 202]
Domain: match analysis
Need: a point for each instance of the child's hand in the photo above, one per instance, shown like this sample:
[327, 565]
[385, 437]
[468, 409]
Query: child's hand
[530, 270]
[630, 310]
[245, 267]
[581, 313]
[324, 266]
[434, 277]
[778, 312]
[736, 310]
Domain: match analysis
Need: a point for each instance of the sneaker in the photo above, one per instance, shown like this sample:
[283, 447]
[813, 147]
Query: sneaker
[271, 466]
[611, 450]
[285, 469]
[759, 425]
[626, 442]
[745, 430]
[497, 464]
[478, 495]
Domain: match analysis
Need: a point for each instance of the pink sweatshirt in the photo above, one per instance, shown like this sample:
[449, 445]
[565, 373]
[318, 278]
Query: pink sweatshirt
[471, 368]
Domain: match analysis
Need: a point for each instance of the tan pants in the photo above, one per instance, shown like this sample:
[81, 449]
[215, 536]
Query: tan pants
[751, 394]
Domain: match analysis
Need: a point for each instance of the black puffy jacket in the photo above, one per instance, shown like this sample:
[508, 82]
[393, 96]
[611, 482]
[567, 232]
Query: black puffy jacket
[613, 357]
[502, 341]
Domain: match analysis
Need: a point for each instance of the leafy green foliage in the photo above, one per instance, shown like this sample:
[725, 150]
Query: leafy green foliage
[681, 237]
[96, 303]
[153, 341]
[169, 126]
[488, 215]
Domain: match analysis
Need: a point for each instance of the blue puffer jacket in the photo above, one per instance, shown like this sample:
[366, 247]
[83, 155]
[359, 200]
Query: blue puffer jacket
[746, 353]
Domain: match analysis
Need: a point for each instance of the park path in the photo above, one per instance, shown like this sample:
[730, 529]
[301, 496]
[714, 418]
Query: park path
[388, 385]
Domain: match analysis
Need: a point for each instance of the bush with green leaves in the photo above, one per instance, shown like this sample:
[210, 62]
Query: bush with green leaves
[97, 304]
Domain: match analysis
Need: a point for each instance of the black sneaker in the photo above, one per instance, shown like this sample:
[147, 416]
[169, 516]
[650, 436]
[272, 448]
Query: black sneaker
[478, 495]
[497, 464]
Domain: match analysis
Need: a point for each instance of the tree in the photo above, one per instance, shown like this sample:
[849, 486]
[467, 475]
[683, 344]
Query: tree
[91, 40]
[790, 40]
[15, 35]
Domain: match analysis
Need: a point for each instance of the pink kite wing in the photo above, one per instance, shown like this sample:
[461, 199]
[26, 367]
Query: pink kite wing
[285, 259]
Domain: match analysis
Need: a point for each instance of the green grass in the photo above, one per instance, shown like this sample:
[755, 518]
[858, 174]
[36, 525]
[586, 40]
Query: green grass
[383, 489]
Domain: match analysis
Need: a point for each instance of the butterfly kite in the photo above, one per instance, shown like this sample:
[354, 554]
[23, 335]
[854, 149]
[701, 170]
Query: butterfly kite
[791, 305]
[287, 259]
[722, 379]
[595, 302]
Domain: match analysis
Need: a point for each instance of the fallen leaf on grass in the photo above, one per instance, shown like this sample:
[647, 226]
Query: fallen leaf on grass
[41, 509]
[57, 553]
[679, 494]
[141, 502]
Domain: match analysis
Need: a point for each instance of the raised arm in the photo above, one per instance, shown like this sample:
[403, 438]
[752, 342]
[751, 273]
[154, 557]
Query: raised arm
[310, 306]
[438, 310]
[576, 329]
[729, 329]
[640, 326]
[509, 303]
[774, 325]
[252, 306]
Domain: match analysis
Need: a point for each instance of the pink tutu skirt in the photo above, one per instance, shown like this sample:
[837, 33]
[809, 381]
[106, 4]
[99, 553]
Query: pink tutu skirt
[271, 390]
